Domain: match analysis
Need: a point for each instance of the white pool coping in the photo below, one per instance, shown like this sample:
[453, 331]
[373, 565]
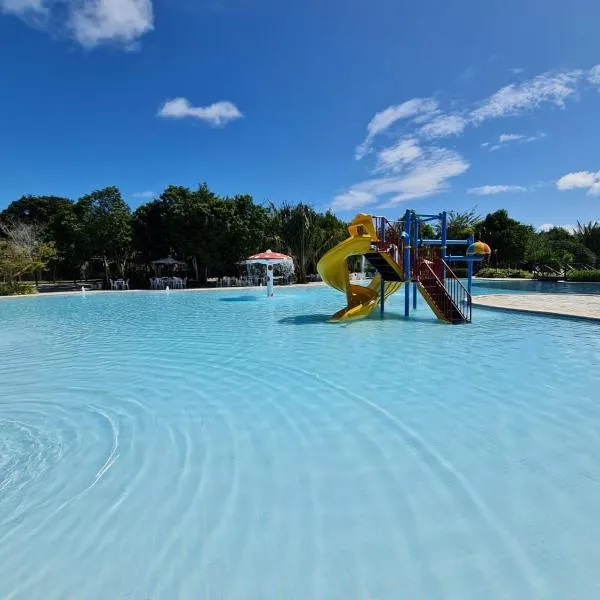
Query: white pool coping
[316, 284]
[579, 306]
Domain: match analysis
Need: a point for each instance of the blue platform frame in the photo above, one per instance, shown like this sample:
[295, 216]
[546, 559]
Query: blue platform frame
[411, 223]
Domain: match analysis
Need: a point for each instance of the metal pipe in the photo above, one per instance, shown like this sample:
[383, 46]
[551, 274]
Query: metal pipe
[407, 274]
[465, 258]
[448, 242]
[470, 268]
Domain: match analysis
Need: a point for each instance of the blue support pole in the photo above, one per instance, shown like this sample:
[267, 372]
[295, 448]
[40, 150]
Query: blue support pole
[444, 219]
[407, 274]
[381, 234]
[415, 245]
[470, 267]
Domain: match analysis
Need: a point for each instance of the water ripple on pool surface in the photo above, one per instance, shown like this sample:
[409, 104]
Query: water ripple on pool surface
[189, 446]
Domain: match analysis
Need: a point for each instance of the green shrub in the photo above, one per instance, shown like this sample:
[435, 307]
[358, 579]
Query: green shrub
[589, 275]
[16, 289]
[504, 273]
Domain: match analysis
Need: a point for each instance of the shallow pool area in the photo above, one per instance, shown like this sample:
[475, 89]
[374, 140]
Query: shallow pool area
[227, 446]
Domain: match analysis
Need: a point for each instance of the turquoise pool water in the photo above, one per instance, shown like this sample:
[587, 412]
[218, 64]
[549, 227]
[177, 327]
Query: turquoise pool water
[507, 286]
[221, 445]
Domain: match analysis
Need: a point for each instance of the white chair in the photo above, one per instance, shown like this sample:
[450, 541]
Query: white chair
[126, 284]
[113, 284]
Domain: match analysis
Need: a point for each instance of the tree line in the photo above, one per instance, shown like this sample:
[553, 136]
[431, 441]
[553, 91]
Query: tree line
[518, 245]
[211, 233]
[99, 234]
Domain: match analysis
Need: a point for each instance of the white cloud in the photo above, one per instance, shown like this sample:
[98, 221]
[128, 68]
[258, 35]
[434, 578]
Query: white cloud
[580, 180]
[444, 126]
[533, 138]
[507, 138]
[517, 70]
[552, 87]
[353, 198]
[21, 7]
[430, 176]
[425, 176]
[510, 137]
[90, 22]
[411, 167]
[488, 190]
[395, 157]
[143, 194]
[386, 118]
[219, 113]
[96, 21]
[594, 75]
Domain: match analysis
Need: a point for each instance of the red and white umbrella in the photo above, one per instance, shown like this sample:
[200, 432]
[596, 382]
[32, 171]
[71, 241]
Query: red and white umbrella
[270, 259]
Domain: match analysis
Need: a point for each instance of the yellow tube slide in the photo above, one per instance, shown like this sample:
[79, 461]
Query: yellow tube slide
[333, 268]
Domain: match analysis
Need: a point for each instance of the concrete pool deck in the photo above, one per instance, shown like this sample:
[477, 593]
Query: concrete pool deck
[580, 306]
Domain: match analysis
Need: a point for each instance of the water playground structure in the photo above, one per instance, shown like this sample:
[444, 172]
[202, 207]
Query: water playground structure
[401, 256]
[270, 259]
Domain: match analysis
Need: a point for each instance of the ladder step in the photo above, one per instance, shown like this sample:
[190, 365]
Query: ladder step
[385, 266]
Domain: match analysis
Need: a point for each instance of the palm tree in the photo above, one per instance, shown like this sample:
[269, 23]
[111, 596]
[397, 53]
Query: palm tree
[461, 224]
[589, 235]
[304, 234]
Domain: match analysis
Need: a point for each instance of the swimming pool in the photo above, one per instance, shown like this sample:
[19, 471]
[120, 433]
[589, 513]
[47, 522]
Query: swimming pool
[515, 286]
[221, 445]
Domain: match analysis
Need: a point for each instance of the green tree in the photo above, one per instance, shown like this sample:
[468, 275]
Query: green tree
[193, 226]
[106, 227]
[427, 231]
[246, 228]
[566, 245]
[507, 237]
[39, 211]
[22, 250]
[540, 253]
[149, 222]
[72, 241]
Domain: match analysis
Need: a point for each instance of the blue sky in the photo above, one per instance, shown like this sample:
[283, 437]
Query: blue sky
[363, 106]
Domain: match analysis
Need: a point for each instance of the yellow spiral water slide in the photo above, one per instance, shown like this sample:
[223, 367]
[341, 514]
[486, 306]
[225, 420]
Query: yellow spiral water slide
[333, 268]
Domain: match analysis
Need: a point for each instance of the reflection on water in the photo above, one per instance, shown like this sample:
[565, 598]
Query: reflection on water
[198, 446]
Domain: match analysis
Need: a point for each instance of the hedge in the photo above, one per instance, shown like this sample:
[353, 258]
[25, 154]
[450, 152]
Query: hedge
[504, 273]
[16, 289]
[589, 275]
